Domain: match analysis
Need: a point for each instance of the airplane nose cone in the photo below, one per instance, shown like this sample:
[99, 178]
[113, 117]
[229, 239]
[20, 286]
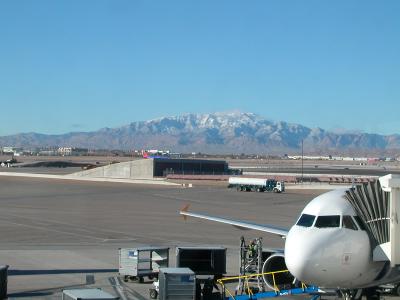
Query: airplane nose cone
[300, 255]
[298, 267]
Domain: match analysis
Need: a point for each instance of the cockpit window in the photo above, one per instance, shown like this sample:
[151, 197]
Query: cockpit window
[306, 220]
[347, 222]
[360, 222]
[327, 221]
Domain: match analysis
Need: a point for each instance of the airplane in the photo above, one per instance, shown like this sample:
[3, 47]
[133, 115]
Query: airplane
[329, 246]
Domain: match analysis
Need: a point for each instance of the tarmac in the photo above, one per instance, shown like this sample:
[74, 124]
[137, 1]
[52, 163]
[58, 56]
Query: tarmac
[54, 232]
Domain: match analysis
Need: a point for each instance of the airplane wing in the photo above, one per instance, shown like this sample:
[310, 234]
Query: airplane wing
[240, 224]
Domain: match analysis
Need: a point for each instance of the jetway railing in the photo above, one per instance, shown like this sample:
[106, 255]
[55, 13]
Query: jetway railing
[250, 294]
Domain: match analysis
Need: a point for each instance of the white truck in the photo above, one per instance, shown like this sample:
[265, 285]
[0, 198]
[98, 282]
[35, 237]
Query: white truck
[256, 184]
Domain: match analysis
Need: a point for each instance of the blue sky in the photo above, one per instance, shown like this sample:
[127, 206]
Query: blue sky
[82, 65]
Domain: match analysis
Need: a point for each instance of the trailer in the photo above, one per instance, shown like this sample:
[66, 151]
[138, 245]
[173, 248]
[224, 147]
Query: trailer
[256, 185]
[202, 260]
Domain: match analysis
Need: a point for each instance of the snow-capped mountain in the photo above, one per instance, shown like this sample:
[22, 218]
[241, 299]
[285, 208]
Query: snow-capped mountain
[232, 132]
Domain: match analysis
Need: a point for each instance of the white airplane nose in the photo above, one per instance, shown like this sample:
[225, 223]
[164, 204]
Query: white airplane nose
[297, 265]
[300, 255]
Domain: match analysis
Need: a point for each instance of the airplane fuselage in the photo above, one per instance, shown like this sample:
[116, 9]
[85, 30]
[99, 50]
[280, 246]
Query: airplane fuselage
[328, 247]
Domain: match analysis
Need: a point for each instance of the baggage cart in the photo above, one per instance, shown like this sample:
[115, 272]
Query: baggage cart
[136, 263]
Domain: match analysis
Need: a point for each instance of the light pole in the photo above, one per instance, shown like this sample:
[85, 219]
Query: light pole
[302, 164]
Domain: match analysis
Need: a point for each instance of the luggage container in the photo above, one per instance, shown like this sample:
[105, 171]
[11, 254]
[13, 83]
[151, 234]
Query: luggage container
[208, 263]
[202, 260]
[177, 284]
[87, 294]
[136, 263]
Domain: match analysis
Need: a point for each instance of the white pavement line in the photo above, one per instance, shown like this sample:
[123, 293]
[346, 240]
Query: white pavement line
[118, 240]
[120, 288]
[103, 240]
[121, 180]
[95, 179]
[135, 294]
[54, 230]
[316, 186]
[309, 175]
[178, 199]
[76, 227]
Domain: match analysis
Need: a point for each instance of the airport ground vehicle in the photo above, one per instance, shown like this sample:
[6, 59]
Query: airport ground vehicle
[256, 184]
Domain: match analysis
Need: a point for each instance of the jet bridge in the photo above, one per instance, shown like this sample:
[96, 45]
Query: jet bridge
[378, 205]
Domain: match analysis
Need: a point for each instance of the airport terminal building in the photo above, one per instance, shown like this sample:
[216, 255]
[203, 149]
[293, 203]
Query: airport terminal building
[163, 167]
[158, 167]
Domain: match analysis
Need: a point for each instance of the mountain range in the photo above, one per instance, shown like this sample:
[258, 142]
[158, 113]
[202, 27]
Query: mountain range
[231, 132]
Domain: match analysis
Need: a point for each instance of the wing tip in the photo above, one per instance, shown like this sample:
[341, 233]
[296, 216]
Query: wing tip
[184, 210]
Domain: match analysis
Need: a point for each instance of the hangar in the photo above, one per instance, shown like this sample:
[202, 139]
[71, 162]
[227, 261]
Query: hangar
[157, 167]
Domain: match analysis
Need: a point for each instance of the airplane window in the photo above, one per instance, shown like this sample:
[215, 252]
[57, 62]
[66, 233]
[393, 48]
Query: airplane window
[348, 223]
[327, 221]
[360, 222]
[306, 220]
